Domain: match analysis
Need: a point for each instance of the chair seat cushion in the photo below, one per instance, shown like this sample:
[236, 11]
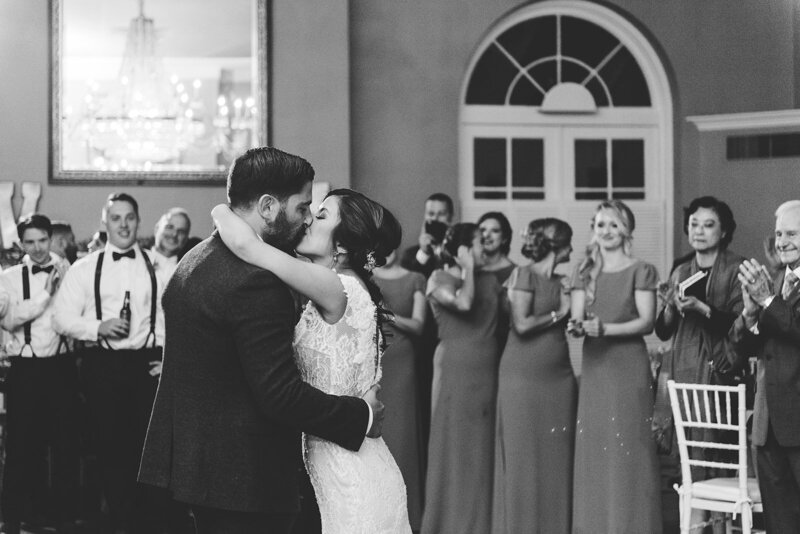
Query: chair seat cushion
[725, 489]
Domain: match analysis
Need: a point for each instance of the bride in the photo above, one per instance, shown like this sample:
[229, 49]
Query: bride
[338, 347]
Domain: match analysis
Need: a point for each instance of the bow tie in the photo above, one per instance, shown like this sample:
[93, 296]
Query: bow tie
[39, 269]
[117, 255]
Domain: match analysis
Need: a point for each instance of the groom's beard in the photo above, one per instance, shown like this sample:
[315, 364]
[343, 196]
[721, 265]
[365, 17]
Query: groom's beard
[284, 234]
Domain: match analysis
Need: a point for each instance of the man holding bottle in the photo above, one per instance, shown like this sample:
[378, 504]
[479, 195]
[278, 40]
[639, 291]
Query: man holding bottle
[109, 299]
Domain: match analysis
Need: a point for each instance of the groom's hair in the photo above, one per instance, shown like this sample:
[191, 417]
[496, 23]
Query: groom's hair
[266, 171]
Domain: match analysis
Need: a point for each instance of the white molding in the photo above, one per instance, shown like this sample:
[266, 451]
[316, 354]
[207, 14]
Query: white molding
[746, 121]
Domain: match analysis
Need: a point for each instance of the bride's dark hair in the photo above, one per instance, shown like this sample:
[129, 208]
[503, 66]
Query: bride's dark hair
[370, 233]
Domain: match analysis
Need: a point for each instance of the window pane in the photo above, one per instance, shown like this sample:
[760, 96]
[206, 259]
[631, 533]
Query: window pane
[527, 195]
[545, 74]
[490, 78]
[599, 195]
[531, 40]
[627, 162]
[585, 41]
[489, 162]
[625, 80]
[596, 88]
[527, 162]
[490, 195]
[525, 94]
[631, 195]
[590, 164]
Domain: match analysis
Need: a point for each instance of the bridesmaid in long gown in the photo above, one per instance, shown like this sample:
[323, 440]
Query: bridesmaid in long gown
[458, 490]
[537, 394]
[404, 295]
[616, 483]
[496, 234]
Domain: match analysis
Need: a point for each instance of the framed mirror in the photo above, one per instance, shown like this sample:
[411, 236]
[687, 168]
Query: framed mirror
[156, 91]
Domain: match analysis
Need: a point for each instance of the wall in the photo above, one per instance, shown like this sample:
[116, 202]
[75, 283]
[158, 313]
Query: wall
[310, 103]
[408, 61]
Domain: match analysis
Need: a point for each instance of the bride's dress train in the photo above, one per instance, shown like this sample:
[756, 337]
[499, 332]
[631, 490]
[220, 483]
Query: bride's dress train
[357, 492]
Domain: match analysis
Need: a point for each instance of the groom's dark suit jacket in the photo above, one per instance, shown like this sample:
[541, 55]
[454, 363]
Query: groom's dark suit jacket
[778, 381]
[225, 427]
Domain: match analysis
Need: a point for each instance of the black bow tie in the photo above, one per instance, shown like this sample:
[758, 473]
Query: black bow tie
[39, 269]
[117, 255]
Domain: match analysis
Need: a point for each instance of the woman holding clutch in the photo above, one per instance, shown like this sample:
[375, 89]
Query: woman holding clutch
[698, 321]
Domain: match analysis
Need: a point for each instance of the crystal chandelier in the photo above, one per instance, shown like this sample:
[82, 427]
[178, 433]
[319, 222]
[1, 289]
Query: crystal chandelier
[143, 120]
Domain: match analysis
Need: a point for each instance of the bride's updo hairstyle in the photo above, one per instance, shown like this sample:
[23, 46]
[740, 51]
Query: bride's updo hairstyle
[457, 235]
[370, 233]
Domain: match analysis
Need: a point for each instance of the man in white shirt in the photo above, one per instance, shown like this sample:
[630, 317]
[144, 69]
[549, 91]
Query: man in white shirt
[171, 235]
[769, 328]
[120, 369]
[41, 387]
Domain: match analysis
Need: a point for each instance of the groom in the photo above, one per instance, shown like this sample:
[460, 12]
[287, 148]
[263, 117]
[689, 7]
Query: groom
[224, 434]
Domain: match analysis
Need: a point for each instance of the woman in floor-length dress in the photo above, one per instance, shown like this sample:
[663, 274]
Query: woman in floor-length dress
[404, 295]
[537, 394]
[458, 490]
[616, 482]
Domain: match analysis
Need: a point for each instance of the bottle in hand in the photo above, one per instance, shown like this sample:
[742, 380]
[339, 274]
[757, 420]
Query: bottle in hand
[125, 312]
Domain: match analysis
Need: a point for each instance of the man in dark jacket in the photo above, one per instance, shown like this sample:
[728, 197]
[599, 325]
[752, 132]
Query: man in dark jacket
[769, 328]
[224, 435]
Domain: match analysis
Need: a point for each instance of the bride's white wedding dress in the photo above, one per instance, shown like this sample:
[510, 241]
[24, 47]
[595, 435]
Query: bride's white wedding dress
[358, 492]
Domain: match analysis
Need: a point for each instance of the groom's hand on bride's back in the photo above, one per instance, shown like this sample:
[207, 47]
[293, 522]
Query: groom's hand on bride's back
[371, 398]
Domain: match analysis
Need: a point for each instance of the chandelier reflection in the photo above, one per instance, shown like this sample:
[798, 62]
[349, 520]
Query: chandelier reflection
[146, 120]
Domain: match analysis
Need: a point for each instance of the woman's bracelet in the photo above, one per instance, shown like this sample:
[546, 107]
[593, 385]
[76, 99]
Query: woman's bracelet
[554, 317]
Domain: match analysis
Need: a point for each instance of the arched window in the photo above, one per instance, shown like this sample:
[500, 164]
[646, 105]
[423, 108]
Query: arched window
[566, 103]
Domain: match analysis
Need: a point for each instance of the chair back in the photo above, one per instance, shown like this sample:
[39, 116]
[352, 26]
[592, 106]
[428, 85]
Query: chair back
[707, 408]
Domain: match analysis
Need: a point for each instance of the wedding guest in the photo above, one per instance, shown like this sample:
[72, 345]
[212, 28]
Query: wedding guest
[422, 257]
[698, 322]
[458, 496]
[404, 295]
[120, 372]
[171, 235]
[616, 482]
[496, 235]
[537, 393]
[63, 241]
[41, 388]
[769, 328]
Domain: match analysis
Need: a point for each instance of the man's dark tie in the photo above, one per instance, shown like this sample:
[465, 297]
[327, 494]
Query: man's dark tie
[117, 255]
[39, 269]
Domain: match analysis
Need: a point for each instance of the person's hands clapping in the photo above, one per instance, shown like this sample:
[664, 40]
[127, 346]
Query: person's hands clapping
[371, 397]
[755, 278]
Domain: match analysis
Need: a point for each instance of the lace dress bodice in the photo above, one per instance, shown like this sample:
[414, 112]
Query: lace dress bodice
[340, 358]
[358, 492]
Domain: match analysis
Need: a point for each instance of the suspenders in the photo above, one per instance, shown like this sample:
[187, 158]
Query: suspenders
[153, 296]
[26, 295]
